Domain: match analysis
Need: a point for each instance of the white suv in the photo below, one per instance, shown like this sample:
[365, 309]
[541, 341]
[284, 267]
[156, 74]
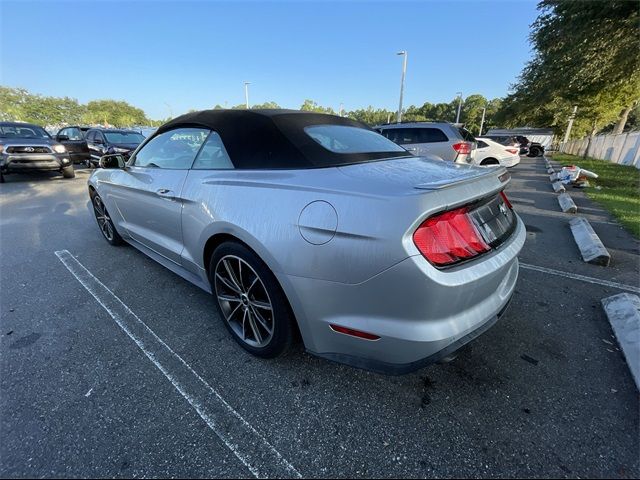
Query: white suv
[445, 140]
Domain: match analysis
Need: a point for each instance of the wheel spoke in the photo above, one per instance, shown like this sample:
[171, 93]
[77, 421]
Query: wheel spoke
[229, 298]
[261, 320]
[231, 275]
[252, 284]
[232, 313]
[256, 331]
[260, 304]
[244, 331]
[228, 284]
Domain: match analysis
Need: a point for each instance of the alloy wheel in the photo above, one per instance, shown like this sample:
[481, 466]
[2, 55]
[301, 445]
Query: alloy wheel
[244, 301]
[104, 221]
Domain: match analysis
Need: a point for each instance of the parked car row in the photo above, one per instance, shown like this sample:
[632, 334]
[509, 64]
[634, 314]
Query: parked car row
[87, 145]
[451, 143]
[25, 147]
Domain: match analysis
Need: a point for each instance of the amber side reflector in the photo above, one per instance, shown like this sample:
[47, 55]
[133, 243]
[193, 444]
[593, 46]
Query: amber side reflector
[353, 333]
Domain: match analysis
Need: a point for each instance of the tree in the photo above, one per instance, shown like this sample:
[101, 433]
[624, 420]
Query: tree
[311, 106]
[116, 113]
[586, 54]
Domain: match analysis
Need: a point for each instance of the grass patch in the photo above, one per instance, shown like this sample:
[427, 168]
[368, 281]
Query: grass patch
[619, 188]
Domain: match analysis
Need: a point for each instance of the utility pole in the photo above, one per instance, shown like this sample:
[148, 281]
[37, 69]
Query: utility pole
[404, 72]
[389, 118]
[570, 124]
[341, 108]
[459, 106]
[484, 110]
[246, 93]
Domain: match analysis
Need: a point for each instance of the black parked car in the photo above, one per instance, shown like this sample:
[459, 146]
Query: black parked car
[103, 141]
[27, 148]
[73, 138]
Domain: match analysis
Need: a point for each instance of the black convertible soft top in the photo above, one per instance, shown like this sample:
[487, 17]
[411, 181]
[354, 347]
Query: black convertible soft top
[274, 138]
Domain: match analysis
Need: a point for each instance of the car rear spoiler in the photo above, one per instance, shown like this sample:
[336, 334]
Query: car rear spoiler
[503, 176]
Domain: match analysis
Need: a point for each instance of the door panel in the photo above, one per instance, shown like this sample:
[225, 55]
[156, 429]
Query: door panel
[149, 204]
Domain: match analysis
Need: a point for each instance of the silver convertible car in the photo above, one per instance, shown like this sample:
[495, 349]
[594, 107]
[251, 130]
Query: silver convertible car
[307, 224]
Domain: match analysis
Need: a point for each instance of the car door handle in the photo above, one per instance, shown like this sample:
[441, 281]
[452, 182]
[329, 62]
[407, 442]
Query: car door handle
[412, 149]
[165, 193]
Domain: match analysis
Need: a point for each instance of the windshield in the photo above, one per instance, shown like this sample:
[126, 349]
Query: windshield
[23, 131]
[124, 137]
[346, 139]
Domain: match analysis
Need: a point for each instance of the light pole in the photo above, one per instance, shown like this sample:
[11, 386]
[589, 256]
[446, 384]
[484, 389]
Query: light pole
[246, 93]
[459, 106]
[404, 71]
[484, 110]
[571, 118]
[341, 108]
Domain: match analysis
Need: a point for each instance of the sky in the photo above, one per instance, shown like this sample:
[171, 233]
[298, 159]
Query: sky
[168, 57]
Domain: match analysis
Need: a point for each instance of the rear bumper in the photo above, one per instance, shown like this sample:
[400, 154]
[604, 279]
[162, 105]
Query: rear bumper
[421, 314]
[35, 162]
[510, 161]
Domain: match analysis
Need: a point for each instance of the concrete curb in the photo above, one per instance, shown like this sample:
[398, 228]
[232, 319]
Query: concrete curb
[566, 203]
[553, 177]
[623, 312]
[591, 248]
[558, 187]
[550, 170]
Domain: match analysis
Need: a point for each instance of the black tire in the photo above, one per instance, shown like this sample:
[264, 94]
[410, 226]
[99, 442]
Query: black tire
[489, 161]
[106, 226]
[68, 172]
[281, 318]
[1, 177]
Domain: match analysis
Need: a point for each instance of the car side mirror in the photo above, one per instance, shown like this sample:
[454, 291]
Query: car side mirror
[112, 161]
[62, 138]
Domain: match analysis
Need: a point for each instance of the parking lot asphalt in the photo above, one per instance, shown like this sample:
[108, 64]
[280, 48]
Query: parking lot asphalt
[154, 386]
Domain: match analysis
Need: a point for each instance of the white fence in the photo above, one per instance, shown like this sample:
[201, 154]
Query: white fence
[623, 148]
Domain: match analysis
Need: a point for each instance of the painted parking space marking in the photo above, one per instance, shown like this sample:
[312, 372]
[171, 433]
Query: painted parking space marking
[246, 443]
[582, 278]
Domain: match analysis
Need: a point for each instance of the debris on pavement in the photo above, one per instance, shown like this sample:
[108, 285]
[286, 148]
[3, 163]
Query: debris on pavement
[578, 177]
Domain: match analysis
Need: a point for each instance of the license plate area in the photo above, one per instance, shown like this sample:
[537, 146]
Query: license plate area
[494, 220]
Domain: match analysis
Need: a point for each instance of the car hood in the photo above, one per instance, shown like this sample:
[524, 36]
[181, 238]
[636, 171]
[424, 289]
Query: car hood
[415, 172]
[27, 141]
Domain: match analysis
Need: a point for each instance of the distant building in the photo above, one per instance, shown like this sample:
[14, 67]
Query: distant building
[543, 136]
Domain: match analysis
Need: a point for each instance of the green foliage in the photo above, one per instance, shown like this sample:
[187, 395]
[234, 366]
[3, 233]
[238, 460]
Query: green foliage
[311, 106]
[112, 112]
[19, 104]
[586, 54]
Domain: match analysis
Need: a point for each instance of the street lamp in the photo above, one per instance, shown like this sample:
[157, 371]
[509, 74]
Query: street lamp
[404, 71]
[246, 93]
[459, 106]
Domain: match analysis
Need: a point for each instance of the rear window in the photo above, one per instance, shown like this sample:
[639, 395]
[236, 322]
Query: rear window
[406, 136]
[124, 137]
[346, 139]
[467, 136]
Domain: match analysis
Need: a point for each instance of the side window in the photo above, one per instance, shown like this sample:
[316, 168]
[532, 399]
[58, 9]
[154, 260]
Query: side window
[213, 155]
[98, 136]
[90, 136]
[402, 136]
[73, 134]
[482, 144]
[432, 135]
[175, 149]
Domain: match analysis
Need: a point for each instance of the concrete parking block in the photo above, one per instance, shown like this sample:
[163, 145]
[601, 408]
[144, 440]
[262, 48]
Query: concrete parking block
[591, 247]
[558, 187]
[623, 312]
[550, 170]
[553, 177]
[566, 203]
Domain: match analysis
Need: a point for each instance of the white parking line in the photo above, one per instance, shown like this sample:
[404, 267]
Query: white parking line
[246, 443]
[582, 278]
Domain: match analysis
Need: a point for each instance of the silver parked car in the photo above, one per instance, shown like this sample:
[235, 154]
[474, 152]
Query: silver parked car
[450, 142]
[299, 221]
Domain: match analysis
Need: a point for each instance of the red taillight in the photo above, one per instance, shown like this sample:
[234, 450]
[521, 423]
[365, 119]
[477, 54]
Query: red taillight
[353, 333]
[449, 237]
[463, 148]
[511, 151]
[506, 200]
